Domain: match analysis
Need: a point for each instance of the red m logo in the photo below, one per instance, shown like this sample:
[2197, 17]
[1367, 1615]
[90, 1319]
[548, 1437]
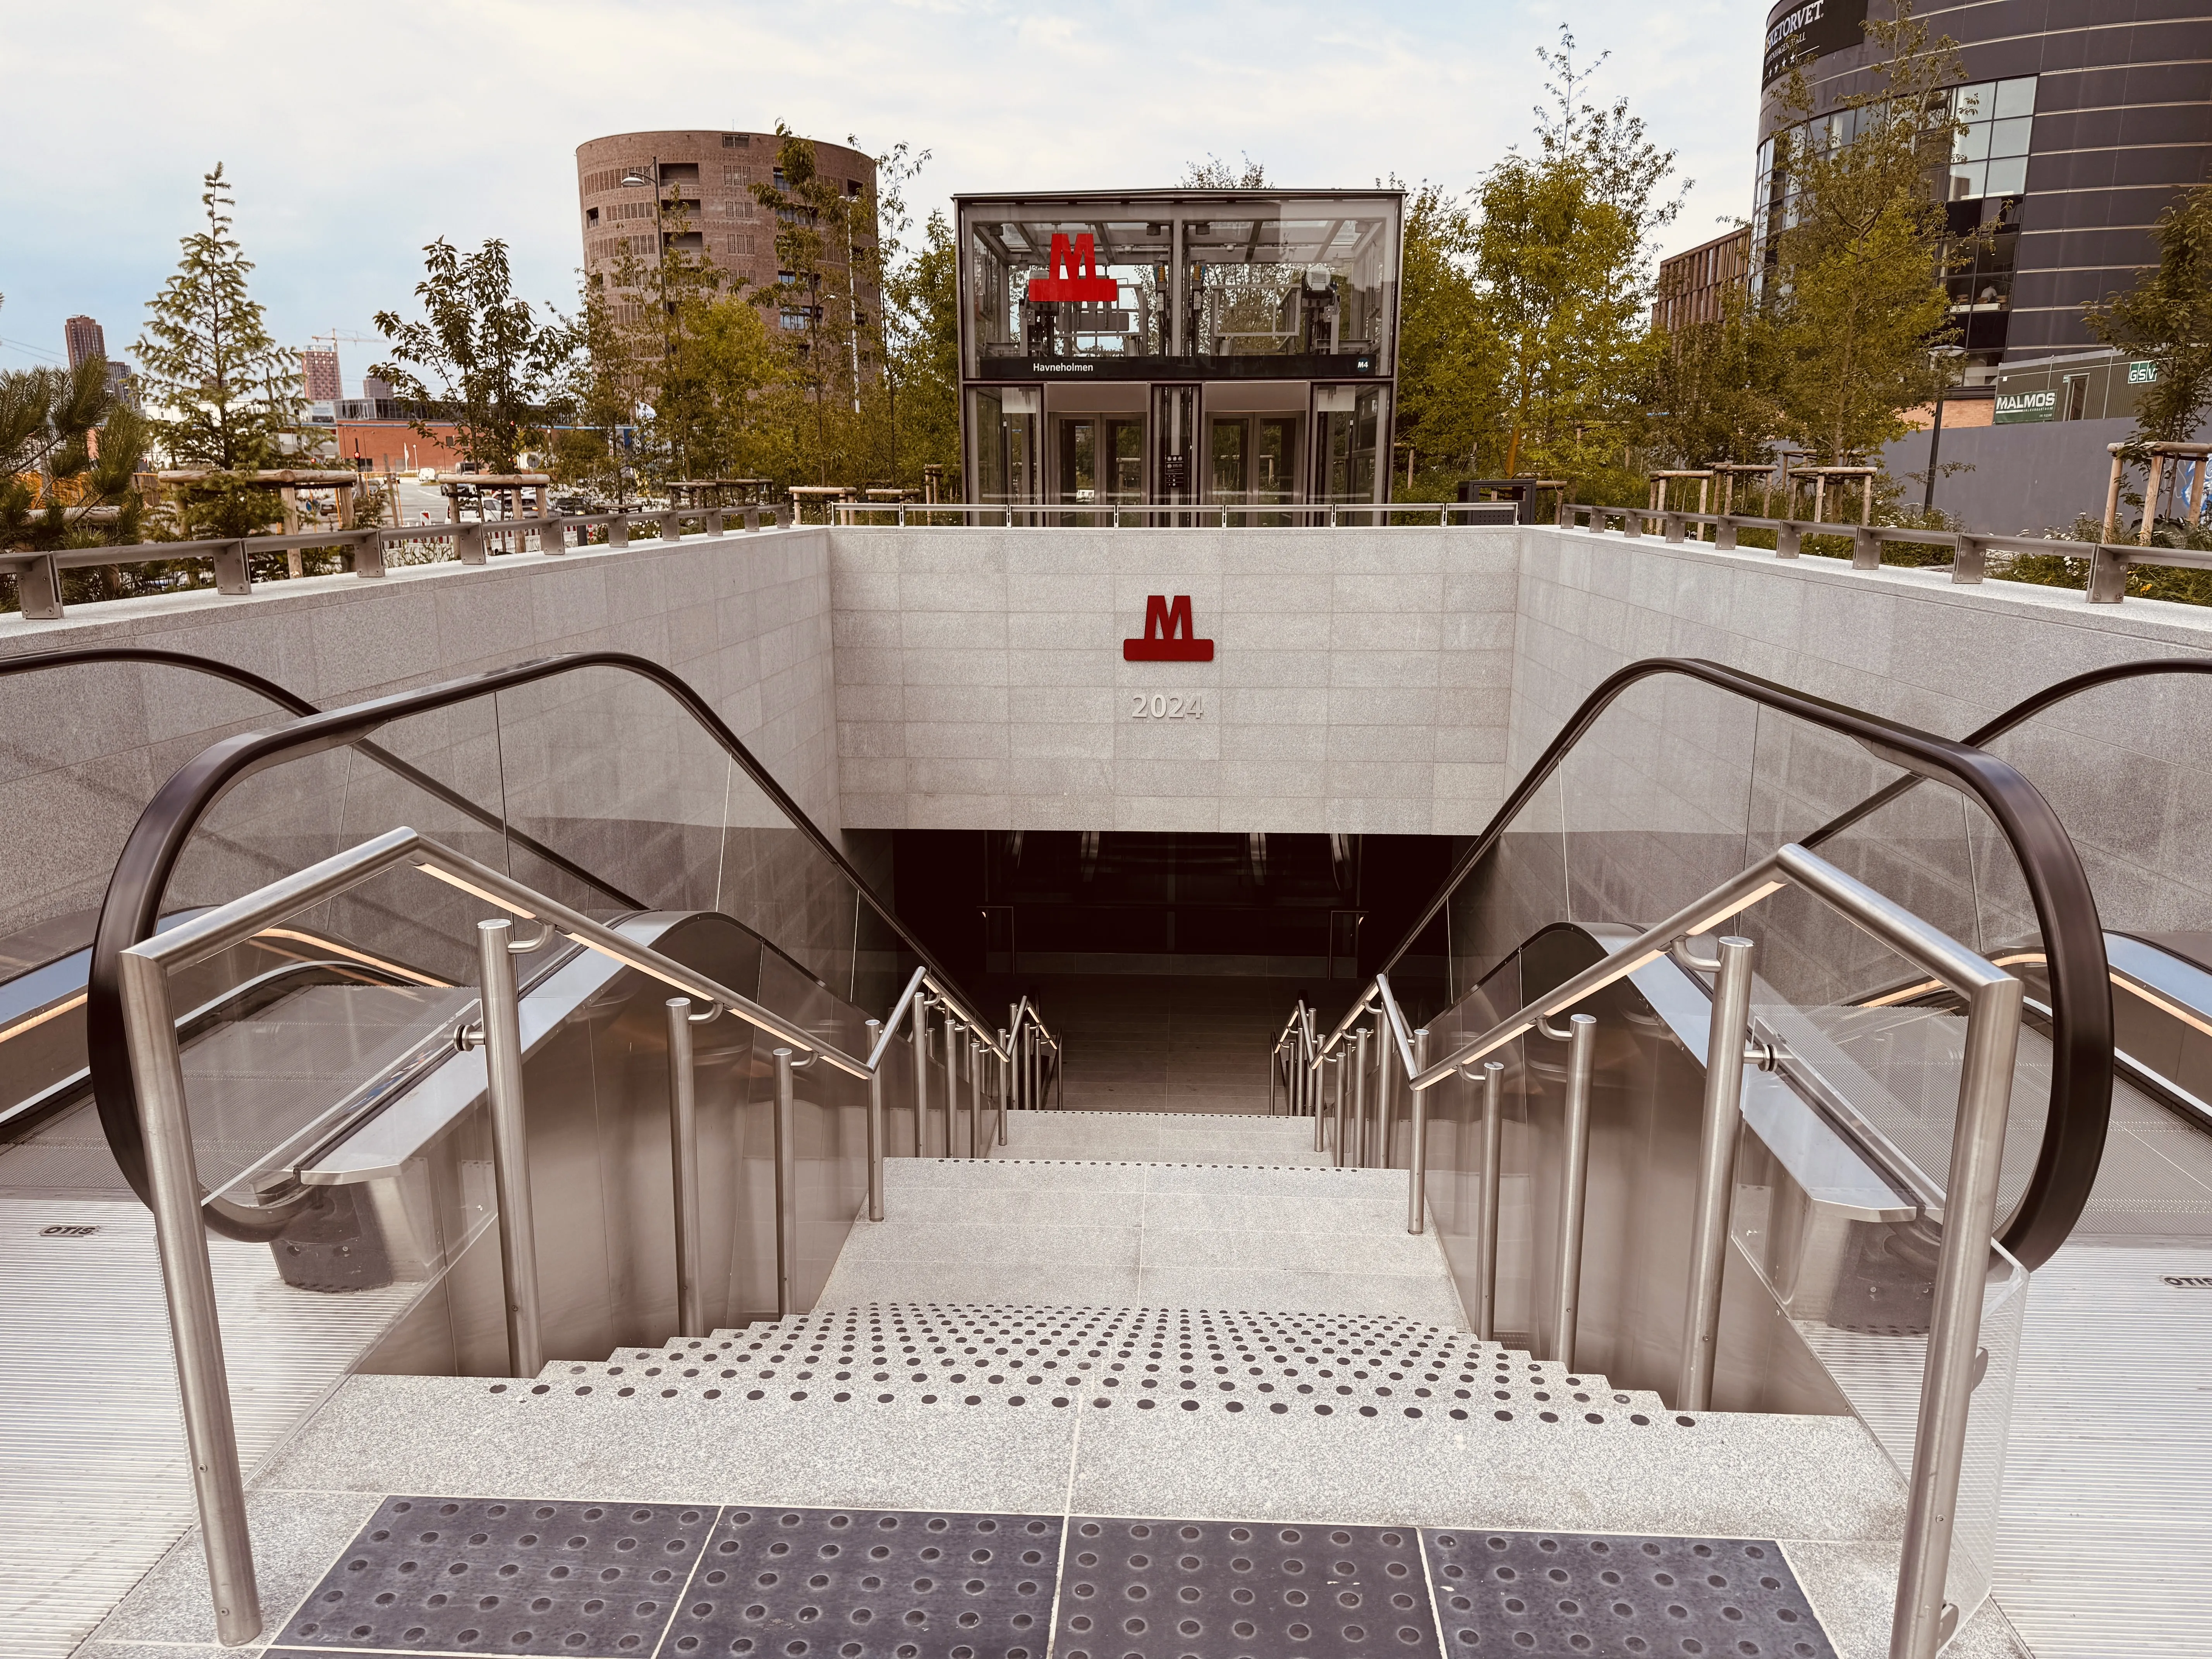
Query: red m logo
[1074, 274]
[1168, 634]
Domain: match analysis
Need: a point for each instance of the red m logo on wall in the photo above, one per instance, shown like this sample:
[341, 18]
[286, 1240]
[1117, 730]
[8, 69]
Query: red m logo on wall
[1168, 634]
[1074, 273]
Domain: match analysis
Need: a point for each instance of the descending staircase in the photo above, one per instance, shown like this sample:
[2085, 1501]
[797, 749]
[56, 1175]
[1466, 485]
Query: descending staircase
[985, 1478]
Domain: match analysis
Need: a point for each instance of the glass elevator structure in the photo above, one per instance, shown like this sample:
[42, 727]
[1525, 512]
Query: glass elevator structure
[1186, 348]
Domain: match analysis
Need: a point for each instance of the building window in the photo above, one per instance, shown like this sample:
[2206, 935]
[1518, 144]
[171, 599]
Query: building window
[780, 181]
[793, 319]
[736, 140]
[851, 187]
[591, 215]
[1989, 156]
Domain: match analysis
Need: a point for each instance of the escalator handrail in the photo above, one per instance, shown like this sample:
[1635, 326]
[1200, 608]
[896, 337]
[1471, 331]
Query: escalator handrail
[291, 702]
[158, 839]
[2081, 1101]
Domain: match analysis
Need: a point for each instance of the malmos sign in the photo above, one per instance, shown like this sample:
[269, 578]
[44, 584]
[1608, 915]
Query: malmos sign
[1169, 634]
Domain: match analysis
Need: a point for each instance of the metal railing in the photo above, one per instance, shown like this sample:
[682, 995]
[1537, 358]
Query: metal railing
[155, 1060]
[2109, 562]
[1185, 515]
[1993, 1002]
[37, 575]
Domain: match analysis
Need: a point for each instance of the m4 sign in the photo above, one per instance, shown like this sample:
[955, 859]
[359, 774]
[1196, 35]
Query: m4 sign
[1073, 274]
[1170, 635]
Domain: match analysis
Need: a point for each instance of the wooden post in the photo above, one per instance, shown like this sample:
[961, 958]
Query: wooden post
[1866, 499]
[2151, 493]
[2112, 491]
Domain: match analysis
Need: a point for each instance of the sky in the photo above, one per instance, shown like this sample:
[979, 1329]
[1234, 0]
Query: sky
[355, 135]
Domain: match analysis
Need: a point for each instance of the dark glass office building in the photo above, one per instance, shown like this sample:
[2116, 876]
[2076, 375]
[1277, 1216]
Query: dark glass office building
[1193, 348]
[2082, 118]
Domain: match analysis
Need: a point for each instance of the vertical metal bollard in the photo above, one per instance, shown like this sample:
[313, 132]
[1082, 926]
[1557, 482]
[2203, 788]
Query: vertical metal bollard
[787, 1188]
[1708, 1231]
[1320, 1091]
[510, 1145]
[1417, 1172]
[683, 1161]
[875, 1128]
[920, 1076]
[1356, 1156]
[1486, 1230]
[188, 1284]
[1013, 1036]
[1582, 1059]
[1274, 1055]
[1947, 1388]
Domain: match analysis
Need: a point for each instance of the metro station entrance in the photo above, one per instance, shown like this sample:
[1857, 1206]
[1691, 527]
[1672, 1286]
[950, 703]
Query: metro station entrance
[1189, 347]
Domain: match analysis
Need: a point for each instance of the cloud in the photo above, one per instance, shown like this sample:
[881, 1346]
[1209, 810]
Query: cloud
[353, 143]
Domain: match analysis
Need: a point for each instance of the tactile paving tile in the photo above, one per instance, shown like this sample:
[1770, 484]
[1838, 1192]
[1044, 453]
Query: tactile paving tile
[596, 1581]
[1222, 1589]
[805, 1584]
[1574, 1595]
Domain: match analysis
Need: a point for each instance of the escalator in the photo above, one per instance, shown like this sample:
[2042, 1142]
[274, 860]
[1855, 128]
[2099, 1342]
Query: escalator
[355, 1143]
[2106, 1193]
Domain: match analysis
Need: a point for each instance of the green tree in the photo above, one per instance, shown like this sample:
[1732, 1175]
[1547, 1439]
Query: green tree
[1715, 386]
[1451, 364]
[922, 355]
[2166, 316]
[1561, 248]
[496, 366]
[68, 447]
[224, 396]
[1857, 291]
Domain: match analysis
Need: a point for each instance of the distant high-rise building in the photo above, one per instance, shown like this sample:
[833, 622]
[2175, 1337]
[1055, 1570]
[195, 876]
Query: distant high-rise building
[320, 370]
[705, 186]
[85, 339]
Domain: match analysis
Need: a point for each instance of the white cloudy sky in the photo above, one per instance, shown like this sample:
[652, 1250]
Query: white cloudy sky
[355, 134]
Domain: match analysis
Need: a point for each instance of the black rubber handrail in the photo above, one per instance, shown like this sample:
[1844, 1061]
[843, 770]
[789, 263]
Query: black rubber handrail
[293, 702]
[150, 856]
[2065, 909]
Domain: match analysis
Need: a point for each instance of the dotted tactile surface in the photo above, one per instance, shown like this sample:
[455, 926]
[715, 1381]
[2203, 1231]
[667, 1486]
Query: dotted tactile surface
[477, 1576]
[870, 1584]
[1218, 1590]
[1103, 1360]
[1574, 1595]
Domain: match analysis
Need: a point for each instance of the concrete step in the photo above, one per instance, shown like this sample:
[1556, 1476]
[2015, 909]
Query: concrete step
[1230, 1361]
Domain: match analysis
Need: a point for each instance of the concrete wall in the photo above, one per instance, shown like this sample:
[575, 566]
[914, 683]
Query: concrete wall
[1361, 681]
[745, 619]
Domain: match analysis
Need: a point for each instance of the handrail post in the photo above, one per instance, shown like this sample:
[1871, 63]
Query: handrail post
[502, 1036]
[1486, 1231]
[952, 1079]
[1574, 1181]
[188, 1285]
[1358, 1157]
[1417, 1172]
[1708, 1231]
[1275, 1054]
[683, 1154]
[1005, 1081]
[920, 1076]
[974, 1097]
[787, 1187]
[875, 1128]
[1379, 1149]
[1955, 1329]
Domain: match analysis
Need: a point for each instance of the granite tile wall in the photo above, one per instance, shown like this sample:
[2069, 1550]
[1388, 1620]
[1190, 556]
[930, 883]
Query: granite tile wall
[744, 619]
[1361, 679]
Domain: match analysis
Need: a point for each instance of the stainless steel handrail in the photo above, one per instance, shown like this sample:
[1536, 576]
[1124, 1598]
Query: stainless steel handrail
[2109, 562]
[1993, 999]
[155, 1061]
[857, 515]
